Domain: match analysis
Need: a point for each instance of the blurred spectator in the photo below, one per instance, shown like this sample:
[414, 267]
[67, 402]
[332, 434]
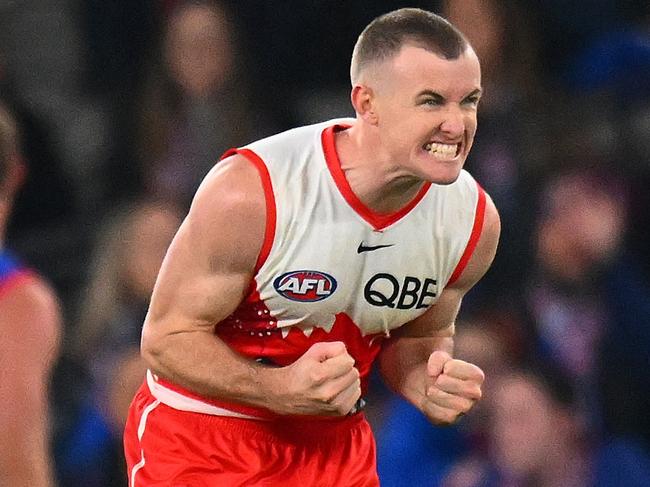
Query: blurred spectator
[31, 324]
[196, 102]
[106, 341]
[537, 437]
[586, 287]
[608, 75]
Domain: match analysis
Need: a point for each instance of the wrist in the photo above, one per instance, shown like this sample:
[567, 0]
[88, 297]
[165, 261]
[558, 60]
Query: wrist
[272, 388]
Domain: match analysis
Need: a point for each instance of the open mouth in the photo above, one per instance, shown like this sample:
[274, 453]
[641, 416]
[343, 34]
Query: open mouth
[444, 152]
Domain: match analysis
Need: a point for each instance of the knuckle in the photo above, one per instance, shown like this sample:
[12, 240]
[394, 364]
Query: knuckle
[339, 408]
[452, 417]
[316, 376]
[316, 347]
[443, 418]
[325, 397]
[466, 406]
[473, 392]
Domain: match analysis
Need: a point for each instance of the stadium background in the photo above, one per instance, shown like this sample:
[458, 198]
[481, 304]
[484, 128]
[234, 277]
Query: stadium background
[124, 105]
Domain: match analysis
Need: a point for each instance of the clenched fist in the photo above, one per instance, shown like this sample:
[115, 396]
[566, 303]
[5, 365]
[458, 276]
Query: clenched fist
[323, 381]
[453, 387]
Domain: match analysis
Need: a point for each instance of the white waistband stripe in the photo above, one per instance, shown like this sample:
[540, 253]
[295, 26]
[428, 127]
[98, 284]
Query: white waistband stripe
[180, 402]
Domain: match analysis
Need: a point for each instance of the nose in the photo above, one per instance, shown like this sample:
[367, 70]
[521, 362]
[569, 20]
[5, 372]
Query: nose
[453, 122]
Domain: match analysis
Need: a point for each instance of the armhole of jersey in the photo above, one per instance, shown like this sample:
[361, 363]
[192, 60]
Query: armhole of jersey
[474, 237]
[15, 280]
[271, 216]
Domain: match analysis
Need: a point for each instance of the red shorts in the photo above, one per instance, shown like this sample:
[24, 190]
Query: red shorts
[171, 448]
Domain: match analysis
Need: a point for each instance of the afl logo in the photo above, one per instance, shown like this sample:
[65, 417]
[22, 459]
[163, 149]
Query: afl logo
[305, 286]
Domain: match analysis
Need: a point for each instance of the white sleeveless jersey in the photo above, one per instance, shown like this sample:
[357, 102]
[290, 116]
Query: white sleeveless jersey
[331, 254]
[332, 269]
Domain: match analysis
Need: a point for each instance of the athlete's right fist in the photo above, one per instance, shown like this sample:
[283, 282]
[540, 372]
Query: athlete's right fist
[323, 381]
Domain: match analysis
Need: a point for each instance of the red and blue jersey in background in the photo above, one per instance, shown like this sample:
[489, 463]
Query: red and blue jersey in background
[12, 272]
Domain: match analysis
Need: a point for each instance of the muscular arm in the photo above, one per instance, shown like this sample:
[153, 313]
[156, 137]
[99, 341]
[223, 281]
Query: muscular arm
[203, 279]
[30, 325]
[407, 361]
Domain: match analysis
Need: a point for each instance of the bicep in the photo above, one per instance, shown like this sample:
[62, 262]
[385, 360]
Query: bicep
[210, 262]
[192, 291]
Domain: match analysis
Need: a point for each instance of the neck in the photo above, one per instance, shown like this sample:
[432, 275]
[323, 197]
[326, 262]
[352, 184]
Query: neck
[372, 173]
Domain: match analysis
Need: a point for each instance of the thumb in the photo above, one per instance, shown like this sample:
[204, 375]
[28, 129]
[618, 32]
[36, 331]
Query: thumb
[322, 351]
[436, 363]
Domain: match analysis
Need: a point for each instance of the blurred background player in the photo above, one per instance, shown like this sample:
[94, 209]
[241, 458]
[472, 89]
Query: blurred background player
[30, 325]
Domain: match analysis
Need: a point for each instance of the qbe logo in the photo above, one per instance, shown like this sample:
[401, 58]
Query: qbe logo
[385, 290]
[305, 286]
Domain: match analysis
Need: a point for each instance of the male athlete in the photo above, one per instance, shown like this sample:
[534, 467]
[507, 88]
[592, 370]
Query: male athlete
[30, 326]
[306, 256]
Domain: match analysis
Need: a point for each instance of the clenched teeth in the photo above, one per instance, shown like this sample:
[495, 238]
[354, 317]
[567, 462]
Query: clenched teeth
[442, 151]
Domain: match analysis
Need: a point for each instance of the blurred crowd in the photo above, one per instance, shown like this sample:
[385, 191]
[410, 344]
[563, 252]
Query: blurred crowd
[124, 106]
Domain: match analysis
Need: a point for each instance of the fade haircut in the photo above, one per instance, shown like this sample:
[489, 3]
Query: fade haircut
[8, 141]
[385, 36]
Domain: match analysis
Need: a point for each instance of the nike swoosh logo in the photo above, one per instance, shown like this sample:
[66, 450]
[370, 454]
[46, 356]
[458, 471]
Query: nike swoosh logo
[370, 248]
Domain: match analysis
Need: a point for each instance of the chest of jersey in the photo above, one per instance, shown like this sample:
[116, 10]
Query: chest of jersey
[330, 255]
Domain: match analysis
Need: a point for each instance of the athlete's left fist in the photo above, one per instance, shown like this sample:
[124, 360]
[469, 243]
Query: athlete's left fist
[453, 387]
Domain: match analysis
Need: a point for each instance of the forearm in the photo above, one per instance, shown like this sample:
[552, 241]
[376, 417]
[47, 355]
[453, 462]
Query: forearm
[403, 363]
[203, 363]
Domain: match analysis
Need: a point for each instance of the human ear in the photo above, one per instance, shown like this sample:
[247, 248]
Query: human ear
[362, 98]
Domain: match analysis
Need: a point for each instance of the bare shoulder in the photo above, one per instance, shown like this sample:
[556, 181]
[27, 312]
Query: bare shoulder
[232, 184]
[228, 214]
[485, 250]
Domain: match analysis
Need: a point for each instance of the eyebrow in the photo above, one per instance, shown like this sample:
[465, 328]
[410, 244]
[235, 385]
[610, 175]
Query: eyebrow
[438, 97]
